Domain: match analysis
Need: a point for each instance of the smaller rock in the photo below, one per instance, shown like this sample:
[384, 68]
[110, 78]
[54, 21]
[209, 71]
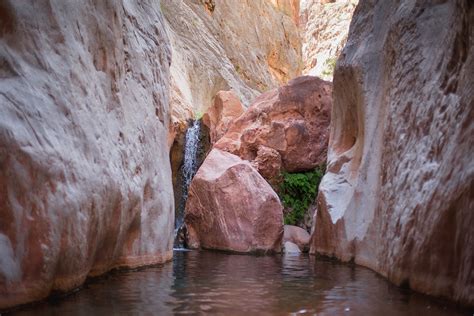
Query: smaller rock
[222, 113]
[296, 235]
[268, 162]
[290, 247]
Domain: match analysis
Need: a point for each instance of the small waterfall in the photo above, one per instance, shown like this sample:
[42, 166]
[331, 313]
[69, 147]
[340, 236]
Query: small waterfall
[189, 168]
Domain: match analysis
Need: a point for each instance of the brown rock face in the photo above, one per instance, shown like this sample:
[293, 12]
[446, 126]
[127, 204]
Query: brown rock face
[289, 7]
[399, 193]
[296, 235]
[85, 180]
[324, 27]
[231, 207]
[284, 129]
[225, 109]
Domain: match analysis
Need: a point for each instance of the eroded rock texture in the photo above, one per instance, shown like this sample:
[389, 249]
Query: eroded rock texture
[289, 7]
[231, 207]
[248, 46]
[324, 27]
[218, 118]
[85, 181]
[284, 129]
[399, 193]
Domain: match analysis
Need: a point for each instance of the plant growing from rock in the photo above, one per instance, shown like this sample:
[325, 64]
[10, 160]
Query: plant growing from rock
[297, 191]
[330, 65]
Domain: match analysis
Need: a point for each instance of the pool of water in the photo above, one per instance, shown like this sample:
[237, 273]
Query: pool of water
[210, 282]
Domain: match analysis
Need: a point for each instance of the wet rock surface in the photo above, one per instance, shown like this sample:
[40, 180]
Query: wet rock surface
[297, 236]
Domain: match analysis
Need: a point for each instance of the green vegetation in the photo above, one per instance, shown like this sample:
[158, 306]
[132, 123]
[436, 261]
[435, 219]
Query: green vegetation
[198, 115]
[330, 65]
[298, 191]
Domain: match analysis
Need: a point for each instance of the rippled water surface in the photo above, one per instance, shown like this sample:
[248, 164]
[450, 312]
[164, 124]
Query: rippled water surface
[209, 282]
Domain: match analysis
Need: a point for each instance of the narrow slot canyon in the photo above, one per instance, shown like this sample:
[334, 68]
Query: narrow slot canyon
[236, 157]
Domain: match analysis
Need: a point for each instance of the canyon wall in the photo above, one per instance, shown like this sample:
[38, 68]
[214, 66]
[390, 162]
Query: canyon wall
[398, 196]
[85, 180]
[324, 26]
[247, 46]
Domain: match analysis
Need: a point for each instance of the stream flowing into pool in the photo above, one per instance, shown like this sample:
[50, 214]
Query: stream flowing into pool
[189, 167]
[203, 282]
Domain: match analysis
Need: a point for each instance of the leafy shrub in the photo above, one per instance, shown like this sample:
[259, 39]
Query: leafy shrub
[330, 65]
[297, 191]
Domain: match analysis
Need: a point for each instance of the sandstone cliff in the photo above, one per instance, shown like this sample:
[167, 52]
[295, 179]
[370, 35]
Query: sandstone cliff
[289, 7]
[399, 193]
[324, 26]
[85, 181]
[248, 46]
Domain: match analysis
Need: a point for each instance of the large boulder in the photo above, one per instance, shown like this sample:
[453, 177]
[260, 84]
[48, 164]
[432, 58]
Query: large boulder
[284, 129]
[85, 179]
[231, 207]
[399, 193]
[224, 110]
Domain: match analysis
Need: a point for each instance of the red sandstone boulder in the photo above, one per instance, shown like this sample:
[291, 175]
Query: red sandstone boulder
[289, 124]
[296, 235]
[231, 207]
[222, 113]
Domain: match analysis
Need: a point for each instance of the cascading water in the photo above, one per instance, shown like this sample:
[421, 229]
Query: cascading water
[188, 169]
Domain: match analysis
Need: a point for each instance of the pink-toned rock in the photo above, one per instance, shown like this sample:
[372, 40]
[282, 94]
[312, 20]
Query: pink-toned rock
[231, 207]
[289, 7]
[398, 196]
[324, 26]
[85, 179]
[291, 248]
[296, 235]
[292, 121]
[268, 162]
[225, 109]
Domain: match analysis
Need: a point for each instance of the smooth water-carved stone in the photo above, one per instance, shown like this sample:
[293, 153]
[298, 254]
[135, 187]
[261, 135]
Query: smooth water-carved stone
[85, 180]
[398, 195]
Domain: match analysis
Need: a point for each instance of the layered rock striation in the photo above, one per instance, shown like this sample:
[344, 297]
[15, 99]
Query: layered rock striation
[85, 180]
[248, 46]
[398, 196]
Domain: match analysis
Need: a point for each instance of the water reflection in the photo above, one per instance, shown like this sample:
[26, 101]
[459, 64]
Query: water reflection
[208, 282]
